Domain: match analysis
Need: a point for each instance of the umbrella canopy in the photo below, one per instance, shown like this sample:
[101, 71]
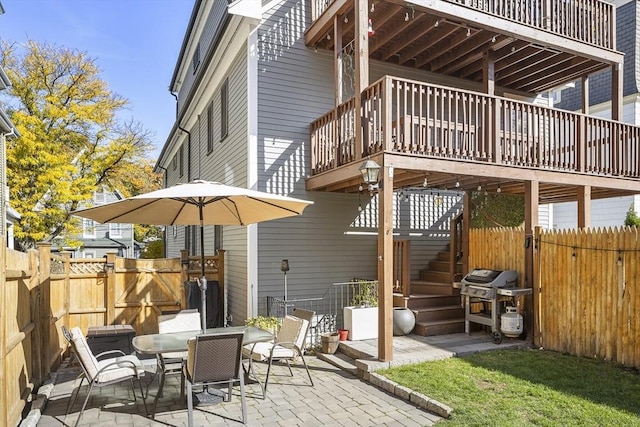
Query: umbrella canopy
[197, 203]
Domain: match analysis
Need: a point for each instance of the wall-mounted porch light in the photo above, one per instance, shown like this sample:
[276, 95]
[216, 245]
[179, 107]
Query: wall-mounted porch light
[370, 171]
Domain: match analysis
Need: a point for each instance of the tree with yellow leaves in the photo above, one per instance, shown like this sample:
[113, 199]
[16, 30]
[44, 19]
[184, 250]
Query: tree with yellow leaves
[71, 142]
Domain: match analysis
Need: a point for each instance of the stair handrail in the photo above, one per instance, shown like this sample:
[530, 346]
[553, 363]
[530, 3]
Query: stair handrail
[402, 267]
[455, 255]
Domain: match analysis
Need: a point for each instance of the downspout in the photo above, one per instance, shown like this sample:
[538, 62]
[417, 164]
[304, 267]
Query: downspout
[188, 138]
[164, 184]
[188, 236]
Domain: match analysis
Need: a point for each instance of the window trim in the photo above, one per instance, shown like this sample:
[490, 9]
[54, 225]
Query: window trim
[224, 109]
[86, 225]
[115, 226]
[210, 128]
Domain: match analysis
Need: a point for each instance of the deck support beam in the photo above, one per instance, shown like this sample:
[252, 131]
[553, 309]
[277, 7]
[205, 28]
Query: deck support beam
[385, 264]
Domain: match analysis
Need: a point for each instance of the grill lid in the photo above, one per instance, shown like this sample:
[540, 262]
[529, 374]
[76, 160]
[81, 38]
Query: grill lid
[491, 278]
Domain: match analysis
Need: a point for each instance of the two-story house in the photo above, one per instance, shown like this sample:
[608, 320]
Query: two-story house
[97, 240]
[300, 97]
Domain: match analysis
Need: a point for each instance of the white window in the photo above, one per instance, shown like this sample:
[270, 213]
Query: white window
[88, 254]
[100, 197]
[88, 228]
[115, 230]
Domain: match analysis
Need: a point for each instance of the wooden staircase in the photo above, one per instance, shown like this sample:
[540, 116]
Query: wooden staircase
[435, 303]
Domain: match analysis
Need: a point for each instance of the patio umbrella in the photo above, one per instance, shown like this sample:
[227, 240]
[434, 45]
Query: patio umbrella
[197, 203]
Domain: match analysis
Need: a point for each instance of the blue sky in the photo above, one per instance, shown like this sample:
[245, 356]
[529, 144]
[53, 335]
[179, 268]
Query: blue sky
[134, 42]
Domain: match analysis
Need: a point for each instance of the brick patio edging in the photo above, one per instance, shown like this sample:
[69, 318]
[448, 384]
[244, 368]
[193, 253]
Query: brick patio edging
[406, 393]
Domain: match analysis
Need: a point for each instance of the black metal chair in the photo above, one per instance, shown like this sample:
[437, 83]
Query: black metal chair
[100, 373]
[214, 359]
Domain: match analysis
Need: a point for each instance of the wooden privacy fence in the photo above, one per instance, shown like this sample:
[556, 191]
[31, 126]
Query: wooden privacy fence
[589, 283]
[41, 291]
[586, 287]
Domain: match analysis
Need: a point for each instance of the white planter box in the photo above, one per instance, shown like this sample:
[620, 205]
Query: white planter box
[362, 323]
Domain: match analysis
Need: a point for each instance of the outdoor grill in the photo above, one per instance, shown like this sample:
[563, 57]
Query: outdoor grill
[490, 287]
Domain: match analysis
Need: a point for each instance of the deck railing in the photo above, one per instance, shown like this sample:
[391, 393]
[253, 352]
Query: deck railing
[436, 121]
[587, 21]
[328, 307]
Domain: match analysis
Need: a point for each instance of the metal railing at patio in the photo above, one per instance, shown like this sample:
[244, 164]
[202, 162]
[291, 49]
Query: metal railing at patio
[328, 307]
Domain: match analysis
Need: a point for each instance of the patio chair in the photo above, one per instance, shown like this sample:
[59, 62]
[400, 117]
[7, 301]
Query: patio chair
[214, 359]
[287, 346]
[171, 363]
[100, 373]
[309, 316]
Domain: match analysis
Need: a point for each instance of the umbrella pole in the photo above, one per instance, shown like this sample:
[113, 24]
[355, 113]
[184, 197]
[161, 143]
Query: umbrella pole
[203, 282]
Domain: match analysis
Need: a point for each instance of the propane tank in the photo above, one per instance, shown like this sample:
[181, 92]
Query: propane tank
[511, 323]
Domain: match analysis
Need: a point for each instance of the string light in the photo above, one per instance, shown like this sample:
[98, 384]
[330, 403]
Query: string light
[328, 36]
[468, 32]
[346, 19]
[437, 23]
[457, 184]
[499, 190]
[370, 28]
[493, 39]
[373, 7]
[406, 16]
[425, 183]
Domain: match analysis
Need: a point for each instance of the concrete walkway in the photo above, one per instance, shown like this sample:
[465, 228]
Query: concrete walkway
[337, 398]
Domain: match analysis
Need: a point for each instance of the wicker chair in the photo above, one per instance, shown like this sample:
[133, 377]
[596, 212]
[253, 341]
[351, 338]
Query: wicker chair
[214, 359]
[100, 373]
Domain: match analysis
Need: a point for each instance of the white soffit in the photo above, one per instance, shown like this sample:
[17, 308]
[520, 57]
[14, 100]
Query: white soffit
[248, 8]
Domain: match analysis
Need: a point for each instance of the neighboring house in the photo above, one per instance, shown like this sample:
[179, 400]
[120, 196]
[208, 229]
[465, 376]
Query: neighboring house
[607, 212]
[265, 100]
[97, 240]
[8, 216]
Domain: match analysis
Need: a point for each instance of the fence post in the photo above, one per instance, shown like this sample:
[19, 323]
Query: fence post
[38, 345]
[535, 295]
[184, 276]
[66, 257]
[110, 288]
[3, 338]
[44, 322]
[221, 291]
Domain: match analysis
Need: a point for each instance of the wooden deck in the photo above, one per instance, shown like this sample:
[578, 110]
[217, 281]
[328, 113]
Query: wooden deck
[426, 121]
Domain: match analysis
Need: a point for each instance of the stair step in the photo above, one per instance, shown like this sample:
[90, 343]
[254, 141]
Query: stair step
[340, 360]
[427, 287]
[444, 256]
[433, 314]
[416, 302]
[435, 276]
[438, 266]
[441, 327]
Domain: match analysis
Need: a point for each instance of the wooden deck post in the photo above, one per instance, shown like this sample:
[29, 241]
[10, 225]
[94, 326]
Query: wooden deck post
[584, 206]
[184, 276]
[361, 60]
[385, 265]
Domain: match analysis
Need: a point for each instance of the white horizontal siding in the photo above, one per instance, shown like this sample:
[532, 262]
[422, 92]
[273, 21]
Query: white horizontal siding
[604, 212]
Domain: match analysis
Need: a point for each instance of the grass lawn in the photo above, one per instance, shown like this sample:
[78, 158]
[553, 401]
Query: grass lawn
[527, 387]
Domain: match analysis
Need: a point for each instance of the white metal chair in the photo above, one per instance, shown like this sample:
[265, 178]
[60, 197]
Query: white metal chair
[171, 363]
[100, 373]
[214, 359]
[287, 345]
